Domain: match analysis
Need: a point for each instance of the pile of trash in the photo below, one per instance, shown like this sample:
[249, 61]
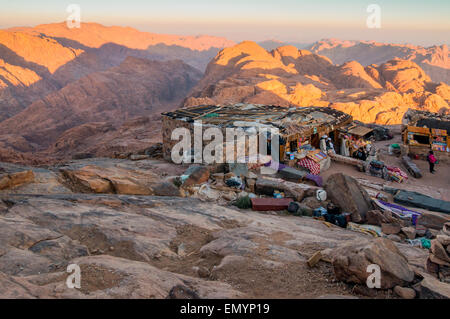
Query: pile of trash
[438, 262]
[389, 173]
[240, 185]
[342, 201]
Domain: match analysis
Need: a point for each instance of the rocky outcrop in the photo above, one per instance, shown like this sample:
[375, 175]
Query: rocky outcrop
[434, 60]
[432, 288]
[117, 179]
[57, 76]
[36, 61]
[378, 217]
[12, 180]
[438, 262]
[134, 88]
[287, 76]
[345, 192]
[123, 241]
[182, 246]
[351, 262]
[196, 175]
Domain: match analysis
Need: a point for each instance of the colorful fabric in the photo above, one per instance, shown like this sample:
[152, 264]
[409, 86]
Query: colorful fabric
[396, 174]
[398, 210]
[398, 171]
[316, 179]
[310, 165]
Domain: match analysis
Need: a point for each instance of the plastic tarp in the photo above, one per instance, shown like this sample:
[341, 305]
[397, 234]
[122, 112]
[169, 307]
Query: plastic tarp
[422, 201]
[398, 210]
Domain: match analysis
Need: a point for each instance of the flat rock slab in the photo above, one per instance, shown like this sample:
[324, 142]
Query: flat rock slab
[45, 233]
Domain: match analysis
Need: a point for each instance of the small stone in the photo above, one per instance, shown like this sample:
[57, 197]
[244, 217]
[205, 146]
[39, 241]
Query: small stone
[203, 272]
[389, 229]
[431, 267]
[443, 239]
[166, 189]
[446, 229]
[405, 293]
[197, 176]
[395, 238]
[111, 248]
[439, 251]
[439, 261]
[377, 217]
[432, 288]
[182, 292]
[410, 232]
[365, 291]
[421, 231]
[181, 250]
[311, 202]
[251, 184]
[139, 157]
[434, 232]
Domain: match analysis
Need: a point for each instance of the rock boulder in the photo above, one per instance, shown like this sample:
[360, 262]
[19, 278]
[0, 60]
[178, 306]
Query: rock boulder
[345, 192]
[351, 261]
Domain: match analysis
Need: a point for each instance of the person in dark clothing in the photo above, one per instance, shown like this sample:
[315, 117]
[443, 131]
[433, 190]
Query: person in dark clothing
[432, 161]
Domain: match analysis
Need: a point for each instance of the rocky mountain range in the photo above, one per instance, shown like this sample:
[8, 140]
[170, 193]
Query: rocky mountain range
[434, 60]
[53, 79]
[99, 102]
[288, 76]
[37, 61]
[82, 179]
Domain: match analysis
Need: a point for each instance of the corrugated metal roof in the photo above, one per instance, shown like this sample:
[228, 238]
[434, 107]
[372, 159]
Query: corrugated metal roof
[289, 120]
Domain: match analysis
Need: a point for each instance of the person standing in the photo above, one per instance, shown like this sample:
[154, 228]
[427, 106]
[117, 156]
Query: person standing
[431, 160]
[330, 145]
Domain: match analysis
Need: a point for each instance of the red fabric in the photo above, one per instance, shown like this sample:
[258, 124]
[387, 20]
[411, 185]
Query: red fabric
[313, 167]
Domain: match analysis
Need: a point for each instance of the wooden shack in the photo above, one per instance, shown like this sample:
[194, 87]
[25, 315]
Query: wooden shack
[297, 126]
[424, 131]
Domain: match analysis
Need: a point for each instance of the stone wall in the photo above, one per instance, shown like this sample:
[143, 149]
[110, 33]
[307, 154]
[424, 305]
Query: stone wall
[169, 125]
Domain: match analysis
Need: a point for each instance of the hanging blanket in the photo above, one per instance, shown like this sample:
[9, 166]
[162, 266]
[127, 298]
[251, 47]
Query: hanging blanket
[310, 165]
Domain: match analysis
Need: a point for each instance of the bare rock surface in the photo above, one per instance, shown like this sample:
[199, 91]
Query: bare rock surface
[134, 240]
[125, 243]
[351, 262]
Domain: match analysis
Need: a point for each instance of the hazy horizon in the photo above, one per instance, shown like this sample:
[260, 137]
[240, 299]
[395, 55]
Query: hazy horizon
[412, 22]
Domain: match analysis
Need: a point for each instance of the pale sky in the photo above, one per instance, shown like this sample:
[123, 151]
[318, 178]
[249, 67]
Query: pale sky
[402, 21]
